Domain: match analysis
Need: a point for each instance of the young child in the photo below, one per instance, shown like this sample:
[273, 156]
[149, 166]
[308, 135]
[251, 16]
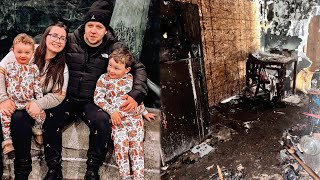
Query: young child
[22, 86]
[127, 128]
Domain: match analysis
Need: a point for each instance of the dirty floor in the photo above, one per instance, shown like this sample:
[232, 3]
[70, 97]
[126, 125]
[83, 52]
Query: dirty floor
[245, 138]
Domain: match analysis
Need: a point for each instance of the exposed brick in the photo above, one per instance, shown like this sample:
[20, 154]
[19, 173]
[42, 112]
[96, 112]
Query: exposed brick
[218, 35]
[229, 31]
[223, 47]
[205, 8]
[221, 12]
[208, 35]
[207, 68]
[234, 24]
[210, 85]
[210, 53]
[207, 24]
[233, 6]
[231, 35]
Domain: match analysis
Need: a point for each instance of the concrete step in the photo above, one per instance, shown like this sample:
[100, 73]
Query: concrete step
[75, 145]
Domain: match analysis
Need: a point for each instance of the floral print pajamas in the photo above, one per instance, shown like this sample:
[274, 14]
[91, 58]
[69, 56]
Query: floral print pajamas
[129, 135]
[22, 85]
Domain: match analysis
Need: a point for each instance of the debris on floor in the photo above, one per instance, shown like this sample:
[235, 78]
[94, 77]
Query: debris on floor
[267, 177]
[301, 157]
[279, 112]
[190, 159]
[224, 133]
[202, 149]
[229, 174]
[248, 125]
[293, 99]
[231, 99]
[210, 167]
[246, 132]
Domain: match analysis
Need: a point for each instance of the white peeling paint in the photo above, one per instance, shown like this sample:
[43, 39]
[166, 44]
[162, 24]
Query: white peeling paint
[230, 98]
[199, 115]
[192, 81]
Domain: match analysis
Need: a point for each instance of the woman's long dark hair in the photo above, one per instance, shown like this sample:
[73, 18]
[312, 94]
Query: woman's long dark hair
[55, 69]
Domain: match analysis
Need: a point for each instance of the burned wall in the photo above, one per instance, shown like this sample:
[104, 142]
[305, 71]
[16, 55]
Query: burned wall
[232, 29]
[229, 30]
[183, 91]
[285, 22]
[285, 25]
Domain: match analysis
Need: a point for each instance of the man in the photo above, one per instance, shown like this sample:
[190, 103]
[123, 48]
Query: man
[87, 58]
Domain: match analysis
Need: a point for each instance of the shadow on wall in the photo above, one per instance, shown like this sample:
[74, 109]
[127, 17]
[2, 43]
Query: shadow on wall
[281, 42]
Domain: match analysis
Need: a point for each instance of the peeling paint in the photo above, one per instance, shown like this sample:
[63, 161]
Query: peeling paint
[193, 90]
[285, 21]
[285, 25]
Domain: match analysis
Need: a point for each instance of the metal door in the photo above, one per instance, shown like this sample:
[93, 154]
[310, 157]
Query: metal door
[183, 90]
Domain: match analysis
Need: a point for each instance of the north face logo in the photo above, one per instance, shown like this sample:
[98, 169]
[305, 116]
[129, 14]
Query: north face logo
[93, 17]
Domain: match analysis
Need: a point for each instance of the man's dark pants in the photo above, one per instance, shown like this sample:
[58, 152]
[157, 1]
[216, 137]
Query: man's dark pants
[67, 112]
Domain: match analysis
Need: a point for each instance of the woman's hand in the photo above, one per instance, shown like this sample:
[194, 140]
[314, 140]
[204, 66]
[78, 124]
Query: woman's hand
[7, 107]
[33, 109]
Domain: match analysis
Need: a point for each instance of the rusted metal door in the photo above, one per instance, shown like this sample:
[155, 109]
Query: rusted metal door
[183, 90]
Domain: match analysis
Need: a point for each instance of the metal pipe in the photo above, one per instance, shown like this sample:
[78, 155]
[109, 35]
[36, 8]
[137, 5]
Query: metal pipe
[155, 88]
[305, 167]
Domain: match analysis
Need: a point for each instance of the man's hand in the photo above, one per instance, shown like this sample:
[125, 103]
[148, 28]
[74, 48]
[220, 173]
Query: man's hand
[7, 107]
[129, 104]
[116, 118]
[150, 116]
[33, 109]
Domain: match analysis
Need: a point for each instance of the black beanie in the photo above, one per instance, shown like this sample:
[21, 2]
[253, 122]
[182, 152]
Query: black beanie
[100, 12]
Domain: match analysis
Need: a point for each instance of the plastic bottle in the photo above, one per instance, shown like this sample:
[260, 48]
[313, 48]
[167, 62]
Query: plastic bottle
[310, 145]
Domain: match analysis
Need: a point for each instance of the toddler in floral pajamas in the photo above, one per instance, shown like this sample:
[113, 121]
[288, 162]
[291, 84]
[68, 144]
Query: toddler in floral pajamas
[127, 128]
[22, 86]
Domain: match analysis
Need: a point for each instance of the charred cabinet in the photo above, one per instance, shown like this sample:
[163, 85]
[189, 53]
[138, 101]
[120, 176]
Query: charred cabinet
[183, 90]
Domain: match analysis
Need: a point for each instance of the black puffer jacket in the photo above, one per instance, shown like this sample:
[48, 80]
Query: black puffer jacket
[84, 71]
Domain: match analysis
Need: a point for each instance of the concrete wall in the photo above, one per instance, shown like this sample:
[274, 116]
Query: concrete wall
[75, 145]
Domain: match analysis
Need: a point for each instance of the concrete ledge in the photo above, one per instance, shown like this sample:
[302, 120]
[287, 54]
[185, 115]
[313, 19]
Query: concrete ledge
[75, 145]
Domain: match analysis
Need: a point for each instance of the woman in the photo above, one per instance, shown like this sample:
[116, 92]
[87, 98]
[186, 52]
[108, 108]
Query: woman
[49, 57]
